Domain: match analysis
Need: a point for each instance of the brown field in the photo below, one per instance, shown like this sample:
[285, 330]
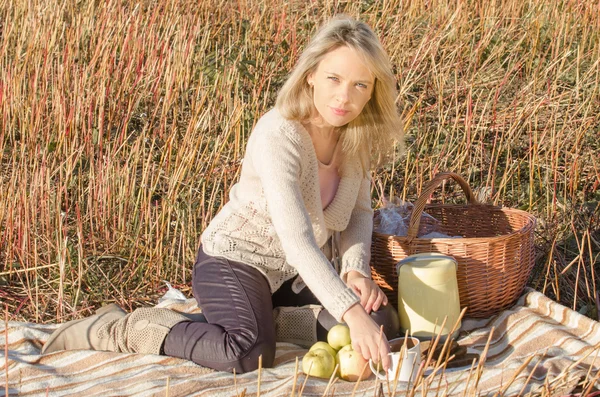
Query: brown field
[123, 126]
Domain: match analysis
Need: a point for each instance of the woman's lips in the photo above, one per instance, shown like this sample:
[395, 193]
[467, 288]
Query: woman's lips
[340, 112]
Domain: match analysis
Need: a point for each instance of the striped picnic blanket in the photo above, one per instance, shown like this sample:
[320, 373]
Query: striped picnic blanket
[537, 345]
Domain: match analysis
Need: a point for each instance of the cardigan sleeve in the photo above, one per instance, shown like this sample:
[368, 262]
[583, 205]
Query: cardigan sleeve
[355, 240]
[277, 160]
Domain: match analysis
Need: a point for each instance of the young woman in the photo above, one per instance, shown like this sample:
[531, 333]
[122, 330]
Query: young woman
[288, 256]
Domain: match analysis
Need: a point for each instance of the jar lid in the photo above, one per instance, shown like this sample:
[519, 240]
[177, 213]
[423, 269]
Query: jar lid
[431, 268]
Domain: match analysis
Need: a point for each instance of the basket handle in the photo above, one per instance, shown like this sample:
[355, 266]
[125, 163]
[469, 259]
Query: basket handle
[415, 219]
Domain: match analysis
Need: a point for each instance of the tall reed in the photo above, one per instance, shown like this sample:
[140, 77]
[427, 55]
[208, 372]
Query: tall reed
[123, 126]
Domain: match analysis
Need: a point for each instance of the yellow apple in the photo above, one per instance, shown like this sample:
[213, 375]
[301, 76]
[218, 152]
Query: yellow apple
[323, 345]
[338, 336]
[337, 355]
[352, 364]
[319, 363]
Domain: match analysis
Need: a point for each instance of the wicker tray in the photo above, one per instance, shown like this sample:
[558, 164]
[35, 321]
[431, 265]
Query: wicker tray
[495, 255]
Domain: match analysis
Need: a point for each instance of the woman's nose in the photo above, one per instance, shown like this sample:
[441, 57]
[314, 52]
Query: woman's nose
[342, 94]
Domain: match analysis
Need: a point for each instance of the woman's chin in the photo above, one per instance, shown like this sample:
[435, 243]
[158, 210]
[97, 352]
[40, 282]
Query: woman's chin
[339, 121]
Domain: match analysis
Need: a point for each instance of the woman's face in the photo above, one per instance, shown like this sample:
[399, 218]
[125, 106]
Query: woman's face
[342, 85]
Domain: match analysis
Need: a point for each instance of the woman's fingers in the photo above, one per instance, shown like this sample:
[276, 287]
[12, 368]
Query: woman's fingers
[372, 300]
[364, 298]
[357, 348]
[374, 350]
[367, 338]
[385, 298]
[361, 287]
[371, 296]
[379, 352]
[358, 292]
[386, 361]
[379, 300]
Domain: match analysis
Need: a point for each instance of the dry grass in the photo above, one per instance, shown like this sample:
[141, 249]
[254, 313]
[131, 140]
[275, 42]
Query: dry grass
[123, 125]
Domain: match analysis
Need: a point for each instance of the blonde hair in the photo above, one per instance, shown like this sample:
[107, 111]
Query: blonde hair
[370, 135]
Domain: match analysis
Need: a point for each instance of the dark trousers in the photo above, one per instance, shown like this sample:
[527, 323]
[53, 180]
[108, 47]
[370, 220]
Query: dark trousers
[236, 300]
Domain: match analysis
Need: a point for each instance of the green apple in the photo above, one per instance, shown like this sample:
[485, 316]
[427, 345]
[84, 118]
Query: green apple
[337, 355]
[319, 363]
[323, 345]
[339, 336]
[352, 364]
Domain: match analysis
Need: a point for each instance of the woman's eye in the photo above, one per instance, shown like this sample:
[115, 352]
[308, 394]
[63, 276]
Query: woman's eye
[333, 78]
[361, 85]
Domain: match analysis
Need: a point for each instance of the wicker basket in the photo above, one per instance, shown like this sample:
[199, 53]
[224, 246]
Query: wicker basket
[495, 255]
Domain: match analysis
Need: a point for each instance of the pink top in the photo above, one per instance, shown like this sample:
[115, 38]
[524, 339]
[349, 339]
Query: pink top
[329, 179]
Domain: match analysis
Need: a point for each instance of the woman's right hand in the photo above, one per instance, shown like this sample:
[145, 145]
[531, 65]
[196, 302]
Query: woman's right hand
[367, 339]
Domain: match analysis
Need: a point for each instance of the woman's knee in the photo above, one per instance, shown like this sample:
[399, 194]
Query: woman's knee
[246, 348]
[210, 346]
[236, 301]
[260, 355]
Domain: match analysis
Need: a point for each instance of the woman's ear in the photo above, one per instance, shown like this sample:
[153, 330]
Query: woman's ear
[310, 79]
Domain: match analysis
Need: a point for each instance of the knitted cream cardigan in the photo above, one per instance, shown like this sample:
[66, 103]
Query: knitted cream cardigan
[275, 223]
